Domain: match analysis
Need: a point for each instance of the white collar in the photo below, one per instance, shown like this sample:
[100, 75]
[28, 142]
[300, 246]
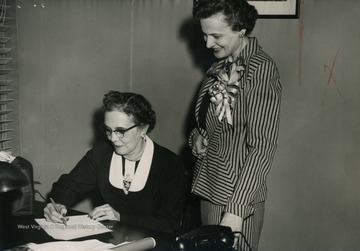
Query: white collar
[142, 173]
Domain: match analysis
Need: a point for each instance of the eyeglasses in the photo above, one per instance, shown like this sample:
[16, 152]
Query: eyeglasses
[118, 132]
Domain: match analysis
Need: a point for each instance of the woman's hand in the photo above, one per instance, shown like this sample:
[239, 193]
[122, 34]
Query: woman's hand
[199, 146]
[235, 222]
[104, 212]
[52, 215]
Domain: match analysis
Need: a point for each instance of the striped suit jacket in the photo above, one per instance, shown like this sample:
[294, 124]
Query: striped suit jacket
[233, 172]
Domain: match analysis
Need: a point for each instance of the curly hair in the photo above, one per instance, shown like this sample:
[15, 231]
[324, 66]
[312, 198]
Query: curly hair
[131, 104]
[239, 14]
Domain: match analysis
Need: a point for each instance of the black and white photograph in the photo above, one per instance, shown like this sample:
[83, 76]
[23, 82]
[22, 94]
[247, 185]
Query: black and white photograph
[179, 125]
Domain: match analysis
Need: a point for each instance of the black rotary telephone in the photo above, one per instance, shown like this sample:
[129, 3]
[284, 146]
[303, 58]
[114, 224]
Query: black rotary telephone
[206, 238]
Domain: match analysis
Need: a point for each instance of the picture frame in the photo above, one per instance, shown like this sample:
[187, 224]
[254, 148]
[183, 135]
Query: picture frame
[287, 9]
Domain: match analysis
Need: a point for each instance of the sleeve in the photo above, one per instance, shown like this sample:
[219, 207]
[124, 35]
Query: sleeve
[262, 125]
[191, 137]
[172, 189]
[191, 141]
[72, 186]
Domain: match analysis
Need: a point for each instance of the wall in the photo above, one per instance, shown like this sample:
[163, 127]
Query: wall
[72, 52]
[313, 186]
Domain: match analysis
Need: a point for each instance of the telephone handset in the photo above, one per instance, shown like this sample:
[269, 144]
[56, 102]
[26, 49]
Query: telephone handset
[206, 238]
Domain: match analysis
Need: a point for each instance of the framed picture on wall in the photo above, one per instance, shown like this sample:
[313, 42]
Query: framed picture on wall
[277, 8]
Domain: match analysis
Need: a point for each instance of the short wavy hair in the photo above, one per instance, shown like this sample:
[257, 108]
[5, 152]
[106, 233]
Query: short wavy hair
[239, 14]
[131, 104]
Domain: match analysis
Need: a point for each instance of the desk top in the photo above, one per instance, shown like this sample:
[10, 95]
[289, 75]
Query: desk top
[25, 229]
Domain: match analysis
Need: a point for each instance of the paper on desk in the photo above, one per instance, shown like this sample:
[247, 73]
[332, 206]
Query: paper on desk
[77, 226]
[88, 245]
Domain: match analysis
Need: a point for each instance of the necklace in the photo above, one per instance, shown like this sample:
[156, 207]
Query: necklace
[128, 169]
[129, 166]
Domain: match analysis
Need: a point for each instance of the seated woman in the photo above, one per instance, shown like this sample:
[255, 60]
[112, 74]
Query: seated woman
[141, 181]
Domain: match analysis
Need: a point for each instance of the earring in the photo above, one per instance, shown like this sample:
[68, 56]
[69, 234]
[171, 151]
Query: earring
[242, 33]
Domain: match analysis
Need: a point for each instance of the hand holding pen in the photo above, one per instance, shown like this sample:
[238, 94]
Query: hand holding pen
[55, 212]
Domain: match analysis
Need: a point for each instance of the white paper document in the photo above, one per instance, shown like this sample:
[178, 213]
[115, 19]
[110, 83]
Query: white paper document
[88, 245]
[77, 226]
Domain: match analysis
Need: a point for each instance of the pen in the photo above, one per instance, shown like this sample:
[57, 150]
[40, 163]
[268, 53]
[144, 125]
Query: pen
[58, 210]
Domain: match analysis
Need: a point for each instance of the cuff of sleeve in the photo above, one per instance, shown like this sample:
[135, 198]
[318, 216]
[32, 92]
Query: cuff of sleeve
[240, 210]
[190, 141]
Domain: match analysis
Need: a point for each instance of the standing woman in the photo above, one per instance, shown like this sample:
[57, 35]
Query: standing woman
[237, 115]
[141, 182]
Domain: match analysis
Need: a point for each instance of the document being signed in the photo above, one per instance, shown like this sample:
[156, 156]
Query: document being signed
[77, 226]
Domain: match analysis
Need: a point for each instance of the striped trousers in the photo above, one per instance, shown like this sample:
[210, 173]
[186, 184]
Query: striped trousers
[211, 214]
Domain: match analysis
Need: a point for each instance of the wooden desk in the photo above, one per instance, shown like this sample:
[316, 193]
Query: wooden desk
[25, 229]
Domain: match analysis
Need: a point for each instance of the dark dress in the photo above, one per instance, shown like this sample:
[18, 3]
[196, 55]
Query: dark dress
[157, 206]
